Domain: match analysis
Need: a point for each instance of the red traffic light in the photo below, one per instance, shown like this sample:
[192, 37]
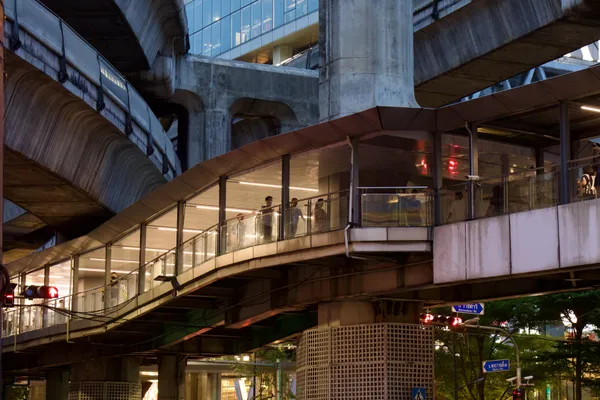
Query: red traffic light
[427, 318]
[40, 292]
[455, 321]
[8, 299]
[518, 394]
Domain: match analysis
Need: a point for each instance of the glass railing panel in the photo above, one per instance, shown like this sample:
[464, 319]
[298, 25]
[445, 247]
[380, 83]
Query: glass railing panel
[31, 318]
[297, 221]
[122, 290]
[10, 322]
[57, 311]
[91, 301]
[383, 207]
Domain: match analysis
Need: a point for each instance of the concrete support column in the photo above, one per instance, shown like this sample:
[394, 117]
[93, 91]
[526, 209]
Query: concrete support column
[171, 377]
[217, 133]
[367, 56]
[335, 350]
[57, 385]
[213, 386]
[106, 378]
[437, 178]
[565, 153]
[281, 53]
[473, 170]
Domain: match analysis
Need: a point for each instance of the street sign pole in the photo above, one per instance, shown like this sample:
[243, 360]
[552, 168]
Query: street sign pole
[507, 333]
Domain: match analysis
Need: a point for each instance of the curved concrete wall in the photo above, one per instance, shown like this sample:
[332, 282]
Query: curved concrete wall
[65, 163]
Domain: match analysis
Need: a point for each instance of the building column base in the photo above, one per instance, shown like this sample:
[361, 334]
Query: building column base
[372, 360]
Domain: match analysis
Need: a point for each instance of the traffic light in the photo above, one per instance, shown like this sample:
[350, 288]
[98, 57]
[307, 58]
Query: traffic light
[453, 322]
[40, 292]
[8, 299]
[518, 394]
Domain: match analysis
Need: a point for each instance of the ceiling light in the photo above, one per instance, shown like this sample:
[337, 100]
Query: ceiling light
[149, 373]
[113, 260]
[276, 186]
[169, 229]
[588, 108]
[215, 208]
[101, 270]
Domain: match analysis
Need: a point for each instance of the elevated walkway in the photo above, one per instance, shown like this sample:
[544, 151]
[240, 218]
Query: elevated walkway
[91, 145]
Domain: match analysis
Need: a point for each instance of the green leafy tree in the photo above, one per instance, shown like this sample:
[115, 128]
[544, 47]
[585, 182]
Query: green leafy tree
[265, 370]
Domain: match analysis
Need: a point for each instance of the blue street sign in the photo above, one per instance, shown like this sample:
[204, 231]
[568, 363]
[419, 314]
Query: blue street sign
[475, 309]
[496, 366]
[419, 394]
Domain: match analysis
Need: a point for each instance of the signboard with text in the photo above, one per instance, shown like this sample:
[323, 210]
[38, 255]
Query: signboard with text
[474, 309]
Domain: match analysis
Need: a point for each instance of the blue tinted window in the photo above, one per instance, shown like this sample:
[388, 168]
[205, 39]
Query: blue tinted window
[196, 23]
[216, 38]
[246, 23]
[189, 11]
[225, 34]
[206, 13]
[278, 17]
[206, 41]
[246, 2]
[216, 10]
[256, 19]
[290, 16]
[236, 33]
[196, 43]
[301, 8]
[313, 5]
[235, 5]
[225, 8]
[267, 14]
[290, 5]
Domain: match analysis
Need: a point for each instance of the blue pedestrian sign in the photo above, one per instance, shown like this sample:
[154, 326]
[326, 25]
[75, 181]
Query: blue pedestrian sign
[419, 394]
[475, 309]
[496, 366]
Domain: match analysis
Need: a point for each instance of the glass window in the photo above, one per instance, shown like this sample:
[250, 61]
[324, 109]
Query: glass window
[301, 8]
[216, 38]
[196, 23]
[279, 9]
[216, 10]
[196, 43]
[252, 219]
[60, 277]
[267, 10]
[90, 286]
[256, 19]
[201, 218]
[246, 23]
[32, 316]
[246, 2]
[225, 8]
[189, 11]
[290, 5]
[206, 41]
[236, 33]
[290, 16]
[235, 5]
[225, 34]
[124, 265]
[313, 5]
[206, 13]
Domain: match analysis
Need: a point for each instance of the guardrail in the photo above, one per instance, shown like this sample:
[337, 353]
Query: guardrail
[75, 53]
[388, 206]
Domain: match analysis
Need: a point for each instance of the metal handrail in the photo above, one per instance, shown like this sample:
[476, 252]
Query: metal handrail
[127, 107]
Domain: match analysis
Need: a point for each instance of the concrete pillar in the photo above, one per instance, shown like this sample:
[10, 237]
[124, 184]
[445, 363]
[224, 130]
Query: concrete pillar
[57, 385]
[281, 53]
[106, 378]
[367, 56]
[171, 377]
[358, 346]
[213, 386]
[217, 133]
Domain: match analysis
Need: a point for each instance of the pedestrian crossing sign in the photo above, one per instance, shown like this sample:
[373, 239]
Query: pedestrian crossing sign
[419, 394]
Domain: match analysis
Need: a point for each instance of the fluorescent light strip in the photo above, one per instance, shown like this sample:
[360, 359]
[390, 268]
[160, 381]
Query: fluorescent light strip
[121, 261]
[269, 185]
[101, 270]
[588, 108]
[215, 208]
[168, 229]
